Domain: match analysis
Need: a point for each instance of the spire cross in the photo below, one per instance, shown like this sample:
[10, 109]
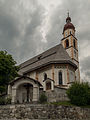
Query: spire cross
[68, 13]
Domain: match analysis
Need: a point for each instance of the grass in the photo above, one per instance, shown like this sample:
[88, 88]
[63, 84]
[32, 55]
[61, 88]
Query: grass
[67, 103]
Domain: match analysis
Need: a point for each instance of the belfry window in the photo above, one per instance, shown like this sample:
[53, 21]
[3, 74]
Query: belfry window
[45, 76]
[74, 43]
[67, 43]
[60, 78]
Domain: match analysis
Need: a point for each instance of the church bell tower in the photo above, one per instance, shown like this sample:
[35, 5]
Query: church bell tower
[70, 43]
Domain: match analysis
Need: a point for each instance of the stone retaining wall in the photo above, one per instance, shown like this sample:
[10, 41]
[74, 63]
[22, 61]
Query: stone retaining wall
[59, 94]
[43, 112]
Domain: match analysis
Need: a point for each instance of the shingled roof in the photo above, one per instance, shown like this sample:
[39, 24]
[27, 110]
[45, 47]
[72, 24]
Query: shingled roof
[55, 54]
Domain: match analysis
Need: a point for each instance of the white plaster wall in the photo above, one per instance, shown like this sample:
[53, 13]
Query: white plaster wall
[71, 76]
[41, 74]
[33, 74]
[48, 71]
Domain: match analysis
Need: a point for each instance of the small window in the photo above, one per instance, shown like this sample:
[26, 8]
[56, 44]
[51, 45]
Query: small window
[48, 86]
[45, 76]
[67, 43]
[70, 32]
[60, 78]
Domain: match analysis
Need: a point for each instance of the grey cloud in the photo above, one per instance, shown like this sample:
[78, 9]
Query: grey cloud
[18, 36]
[32, 37]
[85, 64]
[8, 31]
[85, 67]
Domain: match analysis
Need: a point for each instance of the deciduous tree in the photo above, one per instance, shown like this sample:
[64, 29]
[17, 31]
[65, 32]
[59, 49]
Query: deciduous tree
[8, 70]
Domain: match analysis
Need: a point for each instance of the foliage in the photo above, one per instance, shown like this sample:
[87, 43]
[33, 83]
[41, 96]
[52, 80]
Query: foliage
[4, 101]
[79, 94]
[2, 88]
[43, 98]
[8, 100]
[8, 70]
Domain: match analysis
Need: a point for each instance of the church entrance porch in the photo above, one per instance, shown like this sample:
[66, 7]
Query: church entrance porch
[25, 93]
[24, 90]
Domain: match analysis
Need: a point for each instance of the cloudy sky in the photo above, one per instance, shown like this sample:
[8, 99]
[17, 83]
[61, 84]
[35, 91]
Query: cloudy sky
[29, 27]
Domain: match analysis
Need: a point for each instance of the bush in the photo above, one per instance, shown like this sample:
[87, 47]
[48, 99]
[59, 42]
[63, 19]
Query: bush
[79, 94]
[8, 100]
[4, 101]
[2, 89]
[43, 98]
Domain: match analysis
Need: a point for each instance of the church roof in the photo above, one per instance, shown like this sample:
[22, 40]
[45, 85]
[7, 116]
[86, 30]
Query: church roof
[55, 54]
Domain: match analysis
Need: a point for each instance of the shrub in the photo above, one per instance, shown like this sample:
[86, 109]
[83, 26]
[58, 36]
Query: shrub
[8, 100]
[43, 98]
[2, 101]
[79, 94]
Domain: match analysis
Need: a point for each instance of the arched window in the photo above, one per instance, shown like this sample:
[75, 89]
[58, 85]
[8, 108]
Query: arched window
[67, 43]
[60, 78]
[48, 85]
[74, 43]
[45, 76]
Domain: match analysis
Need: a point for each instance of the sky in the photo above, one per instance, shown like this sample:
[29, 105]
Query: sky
[29, 27]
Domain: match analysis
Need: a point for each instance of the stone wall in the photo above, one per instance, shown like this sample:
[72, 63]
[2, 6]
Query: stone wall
[43, 112]
[59, 94]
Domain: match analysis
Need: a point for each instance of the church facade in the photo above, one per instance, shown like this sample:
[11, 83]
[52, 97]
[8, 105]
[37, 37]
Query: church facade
[52, 70]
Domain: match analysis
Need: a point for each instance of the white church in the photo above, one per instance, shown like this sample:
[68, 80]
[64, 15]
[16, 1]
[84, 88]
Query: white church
[51, 72]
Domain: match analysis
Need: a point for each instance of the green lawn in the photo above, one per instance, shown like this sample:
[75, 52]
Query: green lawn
[63, 103]
[67, 103]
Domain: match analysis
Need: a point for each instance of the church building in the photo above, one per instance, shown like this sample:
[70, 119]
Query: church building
[51, 72]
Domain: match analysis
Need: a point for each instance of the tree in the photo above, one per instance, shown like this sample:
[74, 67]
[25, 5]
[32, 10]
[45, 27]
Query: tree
[79, 93]
[8, 70]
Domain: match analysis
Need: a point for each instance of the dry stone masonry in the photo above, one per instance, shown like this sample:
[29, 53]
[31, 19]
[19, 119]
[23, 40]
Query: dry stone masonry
[43, 112]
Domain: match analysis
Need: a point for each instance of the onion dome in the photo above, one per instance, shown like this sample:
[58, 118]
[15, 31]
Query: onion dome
[68, 24]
